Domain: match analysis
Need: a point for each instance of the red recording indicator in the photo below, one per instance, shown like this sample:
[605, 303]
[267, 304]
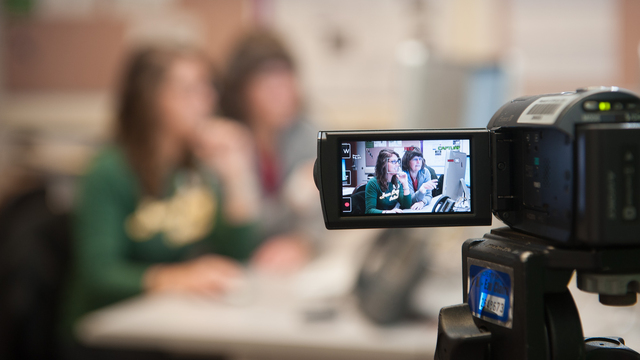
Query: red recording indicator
[346, 204]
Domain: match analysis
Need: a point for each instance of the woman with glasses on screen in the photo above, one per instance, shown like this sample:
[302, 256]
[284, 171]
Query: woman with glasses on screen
[388, 192]
[420, 178]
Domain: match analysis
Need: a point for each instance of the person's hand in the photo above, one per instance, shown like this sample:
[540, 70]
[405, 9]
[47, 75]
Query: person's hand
[403, 178]
[282, 254]
[429, 185]
[393, 211]
[417, 206]
[225, 146]
[209, 275]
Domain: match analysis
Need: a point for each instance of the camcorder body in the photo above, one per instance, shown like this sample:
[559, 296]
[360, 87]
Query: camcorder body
[561, 170]
[563, 167]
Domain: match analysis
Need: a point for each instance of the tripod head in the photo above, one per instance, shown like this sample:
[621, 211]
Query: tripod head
[517, 305]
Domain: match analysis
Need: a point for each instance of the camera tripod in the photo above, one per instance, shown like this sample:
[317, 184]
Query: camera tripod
[517, 304]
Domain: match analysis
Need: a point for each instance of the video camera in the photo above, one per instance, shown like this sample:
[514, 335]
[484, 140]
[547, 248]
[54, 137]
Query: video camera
[561, 170]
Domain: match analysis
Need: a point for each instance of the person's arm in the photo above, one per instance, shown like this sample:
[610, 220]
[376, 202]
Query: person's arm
[414, 195]
[101, 243]
[371, 194]
[426, 198]
[424, 193]
[231, 239]
[225, 147]
[405, 198]
[417, 196]
[426, 186]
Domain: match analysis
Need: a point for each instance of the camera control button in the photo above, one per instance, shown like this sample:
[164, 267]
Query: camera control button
[590, 105]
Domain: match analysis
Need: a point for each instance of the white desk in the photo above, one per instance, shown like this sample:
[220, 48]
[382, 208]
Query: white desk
[194, 326]
[427, 208]
[273, 325]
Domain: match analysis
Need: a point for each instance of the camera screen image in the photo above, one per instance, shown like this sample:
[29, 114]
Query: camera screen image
[405, 176]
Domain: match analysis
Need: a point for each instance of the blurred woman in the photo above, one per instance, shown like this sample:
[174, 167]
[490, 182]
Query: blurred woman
[420, 178]
[260, 89]
[388, 192]
[165, 207]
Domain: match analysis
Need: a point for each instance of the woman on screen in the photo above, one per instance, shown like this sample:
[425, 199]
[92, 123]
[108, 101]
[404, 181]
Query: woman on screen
[389, 188]
[420, 178]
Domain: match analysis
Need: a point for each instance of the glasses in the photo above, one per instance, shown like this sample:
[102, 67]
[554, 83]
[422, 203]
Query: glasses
[417, 158]
[394, 162]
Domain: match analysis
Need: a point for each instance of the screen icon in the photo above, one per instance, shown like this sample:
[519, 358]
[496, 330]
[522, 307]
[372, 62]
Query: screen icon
[346, 204]
[346, 151]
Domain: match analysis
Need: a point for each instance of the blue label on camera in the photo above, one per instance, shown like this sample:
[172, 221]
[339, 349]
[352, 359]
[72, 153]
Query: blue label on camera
[490, 293]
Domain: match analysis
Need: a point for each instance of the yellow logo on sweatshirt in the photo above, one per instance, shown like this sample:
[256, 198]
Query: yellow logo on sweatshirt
[185, 218]
[393, 195]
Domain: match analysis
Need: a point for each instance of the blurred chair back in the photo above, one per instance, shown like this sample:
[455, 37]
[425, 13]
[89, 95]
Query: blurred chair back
[34, 259]
[358, 205]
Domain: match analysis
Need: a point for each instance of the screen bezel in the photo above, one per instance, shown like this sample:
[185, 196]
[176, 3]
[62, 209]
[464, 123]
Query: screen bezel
[330, 184]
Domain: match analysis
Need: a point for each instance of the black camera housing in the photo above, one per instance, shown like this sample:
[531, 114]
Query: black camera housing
[575, 178]
[564, 167]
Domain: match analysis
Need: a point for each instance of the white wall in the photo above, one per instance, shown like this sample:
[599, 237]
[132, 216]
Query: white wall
[544, 46]
[567, 44]
[347, 53]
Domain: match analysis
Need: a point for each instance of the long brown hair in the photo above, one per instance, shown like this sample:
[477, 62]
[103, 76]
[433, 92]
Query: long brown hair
[137, 117]
[381, 169]
[256, 51]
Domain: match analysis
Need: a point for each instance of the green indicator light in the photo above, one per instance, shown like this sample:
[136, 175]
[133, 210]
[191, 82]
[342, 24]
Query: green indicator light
[604, 106]
[536, 161]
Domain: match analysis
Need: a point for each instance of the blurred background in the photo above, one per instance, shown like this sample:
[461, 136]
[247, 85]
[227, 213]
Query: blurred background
[363, 64]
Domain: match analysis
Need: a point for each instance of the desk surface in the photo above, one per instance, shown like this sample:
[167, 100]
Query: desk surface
[183, 325]
[427, 208]
[273, 324]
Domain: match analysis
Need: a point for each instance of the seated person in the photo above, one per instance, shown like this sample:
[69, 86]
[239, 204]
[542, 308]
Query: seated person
[421, 180]
[164, 208]
[432, 172]
[260, 90]
[389, 188]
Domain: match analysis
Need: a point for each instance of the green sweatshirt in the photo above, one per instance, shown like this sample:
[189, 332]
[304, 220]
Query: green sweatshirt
[117, 236]
[376, 200]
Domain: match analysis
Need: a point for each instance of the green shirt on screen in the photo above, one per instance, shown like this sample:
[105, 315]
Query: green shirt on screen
[377, 200]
